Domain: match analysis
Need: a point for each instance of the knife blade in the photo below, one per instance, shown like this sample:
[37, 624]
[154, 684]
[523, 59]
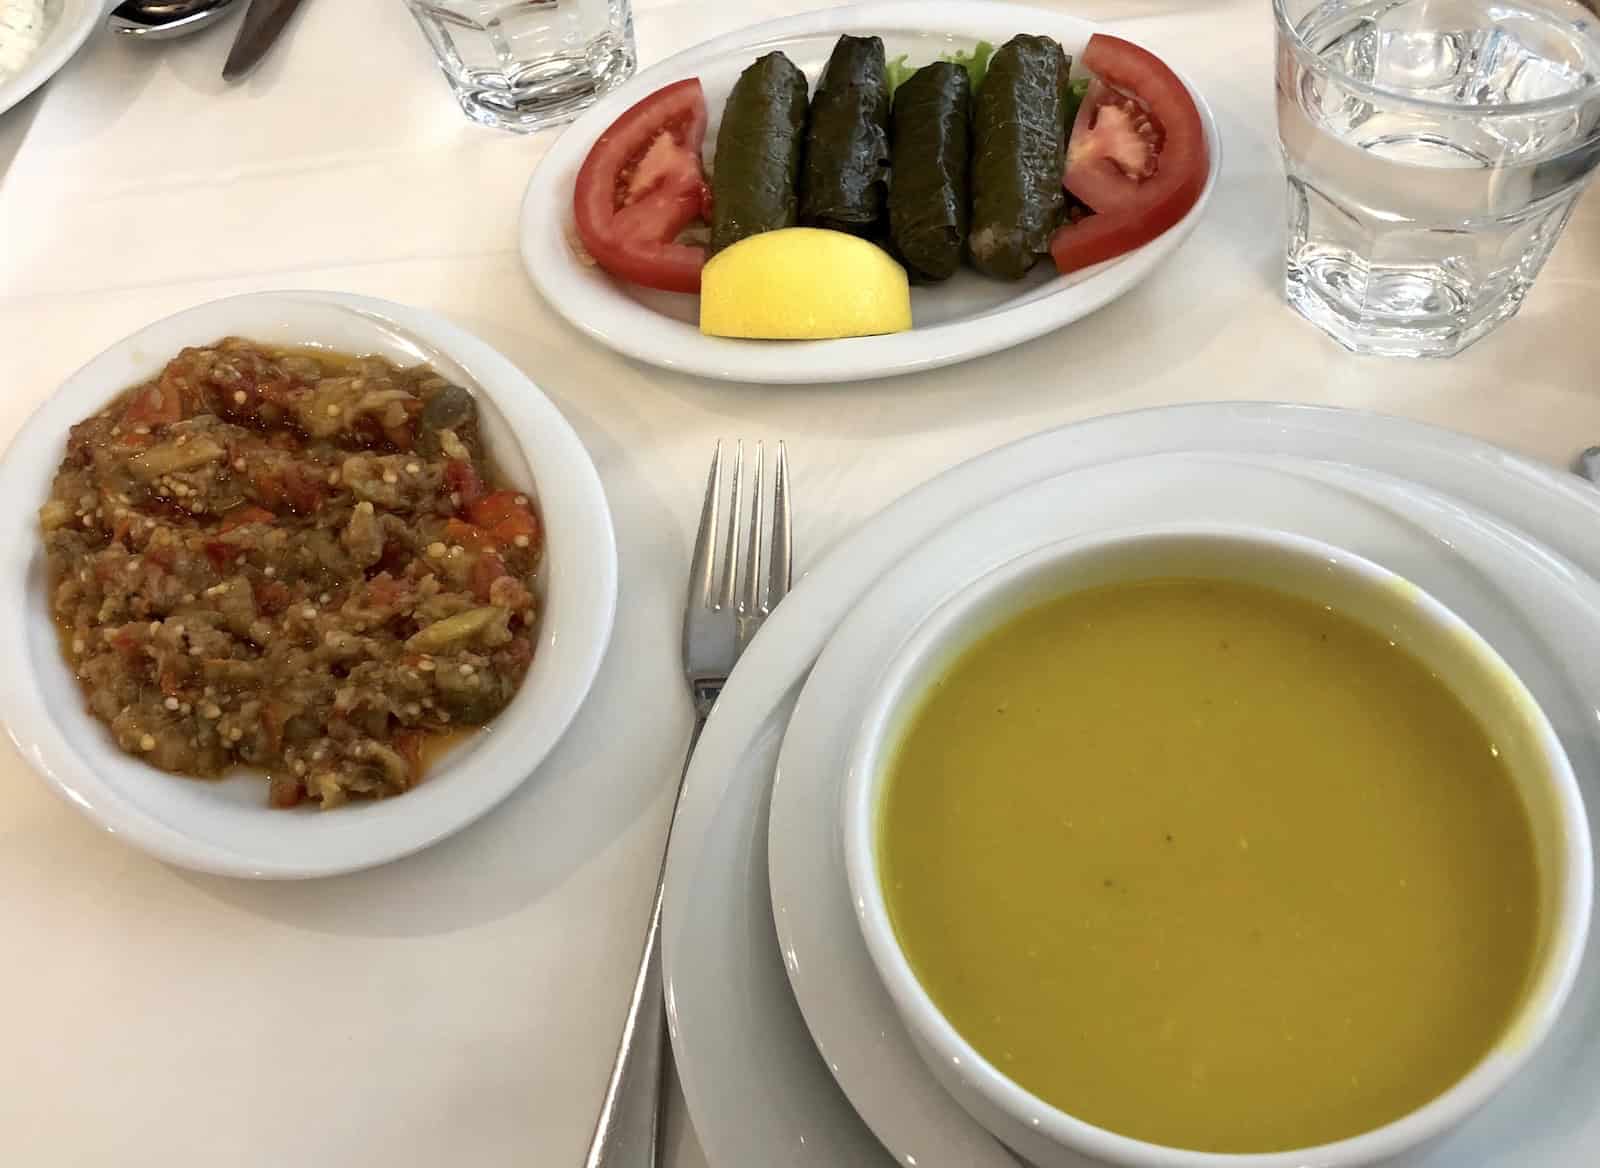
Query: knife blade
[262, 23]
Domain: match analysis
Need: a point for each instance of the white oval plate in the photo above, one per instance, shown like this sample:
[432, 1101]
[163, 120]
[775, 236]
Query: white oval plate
[1527, 603]
[226, 826]
[68, 25]
[967, 316]
[757, 1089]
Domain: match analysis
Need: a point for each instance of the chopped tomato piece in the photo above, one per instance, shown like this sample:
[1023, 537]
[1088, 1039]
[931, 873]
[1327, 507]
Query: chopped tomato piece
[220, 554]
[274, 717]
[491, 509]
[505, 518]
[384, 591]
[409, 744]
[485, 571]
[284, 791]
[155, 405]
[522, 525]
[272, 597]
[642, 183]
[466, 534]
[1137, 155]
[461, 480]
[395, 557]
[303, 492]
[240, 516]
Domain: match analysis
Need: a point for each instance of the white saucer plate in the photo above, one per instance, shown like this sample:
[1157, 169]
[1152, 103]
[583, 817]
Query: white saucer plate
[225, 826]
[1524, 599]
[757, 1088]
[965, 317]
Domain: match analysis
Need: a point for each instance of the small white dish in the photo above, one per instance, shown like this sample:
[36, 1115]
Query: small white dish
[225, 826]
[1314, 571]
[767, 1084]
[965, 317]
[68, 24]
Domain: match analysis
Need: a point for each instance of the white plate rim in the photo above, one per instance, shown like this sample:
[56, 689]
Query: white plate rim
[75, 21]
[591, 304]
[816, 752]
[782, 654]
[581, 607]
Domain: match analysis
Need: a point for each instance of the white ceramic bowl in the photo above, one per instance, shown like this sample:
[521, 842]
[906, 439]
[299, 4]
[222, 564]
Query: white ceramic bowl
[226, 826]
[1367, 593]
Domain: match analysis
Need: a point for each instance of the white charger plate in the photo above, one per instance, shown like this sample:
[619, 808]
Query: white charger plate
[757, 1089]
[966, 316]
[1526, 600]
[68, 25]
[225, 826]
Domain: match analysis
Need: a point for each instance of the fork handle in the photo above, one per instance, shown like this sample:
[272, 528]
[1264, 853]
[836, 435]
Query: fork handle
[625, 1133]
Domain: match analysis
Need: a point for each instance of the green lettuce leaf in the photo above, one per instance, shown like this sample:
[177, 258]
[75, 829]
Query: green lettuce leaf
[976, 63]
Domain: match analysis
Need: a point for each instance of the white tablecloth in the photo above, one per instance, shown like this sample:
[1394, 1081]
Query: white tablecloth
[461, 1006]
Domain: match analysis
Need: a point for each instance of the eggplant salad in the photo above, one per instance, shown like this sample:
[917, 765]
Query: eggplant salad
[889, 174]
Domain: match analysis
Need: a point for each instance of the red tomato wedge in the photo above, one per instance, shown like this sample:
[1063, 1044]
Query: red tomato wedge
[642, 184]
[1137, 155]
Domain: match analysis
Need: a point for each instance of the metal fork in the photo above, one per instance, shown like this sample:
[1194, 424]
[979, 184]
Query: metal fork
[716, 628]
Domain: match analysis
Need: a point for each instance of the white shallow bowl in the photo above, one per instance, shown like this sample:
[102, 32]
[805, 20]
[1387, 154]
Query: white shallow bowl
[68, 24]
[1370, 595]
[964, 317]
[225, 826]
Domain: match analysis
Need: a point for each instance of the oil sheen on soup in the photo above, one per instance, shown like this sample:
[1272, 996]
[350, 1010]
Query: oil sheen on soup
[1210, 866]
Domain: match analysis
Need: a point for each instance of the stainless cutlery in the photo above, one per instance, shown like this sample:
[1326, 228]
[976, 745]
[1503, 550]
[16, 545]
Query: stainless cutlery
[734, 583]
[262, 23]
[162, 19]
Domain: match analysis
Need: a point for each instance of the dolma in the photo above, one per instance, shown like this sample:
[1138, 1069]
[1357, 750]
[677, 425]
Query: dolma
[1019, 149]
[757, 162]
[928, 188]
[844, 183]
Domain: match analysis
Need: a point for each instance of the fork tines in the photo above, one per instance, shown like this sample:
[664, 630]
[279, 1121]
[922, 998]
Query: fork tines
[738, 584]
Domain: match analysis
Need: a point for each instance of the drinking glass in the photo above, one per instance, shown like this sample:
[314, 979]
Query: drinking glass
[1434, 150]
[527, 64]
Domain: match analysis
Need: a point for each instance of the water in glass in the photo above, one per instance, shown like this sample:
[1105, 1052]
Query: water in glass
[1434, 150]
[526, 64]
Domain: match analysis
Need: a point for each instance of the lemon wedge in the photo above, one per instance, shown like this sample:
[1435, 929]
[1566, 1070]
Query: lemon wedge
[803, 283]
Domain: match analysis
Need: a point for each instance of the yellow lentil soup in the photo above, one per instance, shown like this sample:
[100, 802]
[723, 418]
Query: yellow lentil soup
[1210, 866]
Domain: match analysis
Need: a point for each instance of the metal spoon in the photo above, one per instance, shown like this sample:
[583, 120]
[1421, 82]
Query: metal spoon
[160, 19]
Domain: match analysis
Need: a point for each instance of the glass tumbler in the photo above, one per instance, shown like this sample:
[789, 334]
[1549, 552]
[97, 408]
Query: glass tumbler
[526, 64]
[1434, 150]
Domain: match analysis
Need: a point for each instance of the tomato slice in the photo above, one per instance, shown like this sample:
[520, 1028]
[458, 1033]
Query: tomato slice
[1137, 155]
[641, 185]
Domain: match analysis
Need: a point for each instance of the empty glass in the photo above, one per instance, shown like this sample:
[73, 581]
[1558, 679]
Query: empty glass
[1434, 150]
[527, 64]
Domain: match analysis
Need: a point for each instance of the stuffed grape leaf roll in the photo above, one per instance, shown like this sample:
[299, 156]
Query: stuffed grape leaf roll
[928, 186]
[844, 183]
[757, 165]
[1019, 152]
